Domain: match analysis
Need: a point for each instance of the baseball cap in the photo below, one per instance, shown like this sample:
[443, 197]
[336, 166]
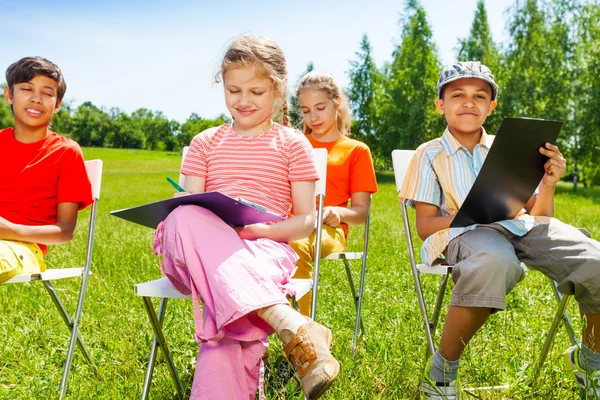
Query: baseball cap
[466, 69]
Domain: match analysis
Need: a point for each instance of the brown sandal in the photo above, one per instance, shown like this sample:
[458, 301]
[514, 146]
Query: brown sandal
[308, 351]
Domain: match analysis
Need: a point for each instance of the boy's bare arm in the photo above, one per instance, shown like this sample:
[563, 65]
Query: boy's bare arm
[429, 220]
[60, 232]
[554, 170]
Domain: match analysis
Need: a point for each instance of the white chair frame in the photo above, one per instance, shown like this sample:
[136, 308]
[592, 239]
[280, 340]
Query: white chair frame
[344, 256]
[94, 171]
[401, 160]
[163, 289]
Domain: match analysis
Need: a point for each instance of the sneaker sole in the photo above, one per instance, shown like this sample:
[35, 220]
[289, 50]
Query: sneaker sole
[329, 382]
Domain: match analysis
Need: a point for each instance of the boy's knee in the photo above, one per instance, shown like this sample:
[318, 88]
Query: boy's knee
[490, 268]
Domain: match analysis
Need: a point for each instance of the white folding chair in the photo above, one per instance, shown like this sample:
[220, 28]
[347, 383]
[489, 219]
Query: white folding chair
[321, 155]
[94, 171]
[401, 160]
[163, 289]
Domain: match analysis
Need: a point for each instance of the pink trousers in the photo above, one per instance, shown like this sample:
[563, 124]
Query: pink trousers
[233, 278]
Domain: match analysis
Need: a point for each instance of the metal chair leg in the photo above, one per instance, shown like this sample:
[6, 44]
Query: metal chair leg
[550, 336]
[152, 357]
[74, 335]
[159, 337]
[352, 288]
[566, 320]
[437, 311]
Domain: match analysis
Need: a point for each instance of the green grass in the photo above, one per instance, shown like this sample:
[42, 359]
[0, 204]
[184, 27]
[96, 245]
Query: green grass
[387, 364]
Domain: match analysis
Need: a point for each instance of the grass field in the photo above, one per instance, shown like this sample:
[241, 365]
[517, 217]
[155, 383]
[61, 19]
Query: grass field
[387, 365]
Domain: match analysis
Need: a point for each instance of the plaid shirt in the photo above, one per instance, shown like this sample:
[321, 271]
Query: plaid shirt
[441, 173]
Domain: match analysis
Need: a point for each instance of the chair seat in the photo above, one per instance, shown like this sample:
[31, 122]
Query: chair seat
[348, 256]
[436, 269]
[48, 275]
[444, 269]
[164, 288]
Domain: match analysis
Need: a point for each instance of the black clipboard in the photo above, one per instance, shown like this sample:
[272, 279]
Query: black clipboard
[510, 173]
[232, 211]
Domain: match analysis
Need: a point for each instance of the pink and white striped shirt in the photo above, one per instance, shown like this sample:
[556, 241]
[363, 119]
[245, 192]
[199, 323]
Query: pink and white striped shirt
[255, 168]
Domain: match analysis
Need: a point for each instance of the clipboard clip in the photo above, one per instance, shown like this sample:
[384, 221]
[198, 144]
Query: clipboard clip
[251, 204]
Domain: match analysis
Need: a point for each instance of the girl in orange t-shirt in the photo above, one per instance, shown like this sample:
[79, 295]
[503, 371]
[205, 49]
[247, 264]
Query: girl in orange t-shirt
[350, 172]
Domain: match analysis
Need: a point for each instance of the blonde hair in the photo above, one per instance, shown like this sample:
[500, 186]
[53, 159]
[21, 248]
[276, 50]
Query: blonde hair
[322, 81]
[267, 58]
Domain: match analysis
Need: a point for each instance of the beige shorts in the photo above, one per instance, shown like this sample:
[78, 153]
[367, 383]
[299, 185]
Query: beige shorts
[487, 264]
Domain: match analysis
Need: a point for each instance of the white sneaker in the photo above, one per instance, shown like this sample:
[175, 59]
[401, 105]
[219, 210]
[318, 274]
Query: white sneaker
[589, 382]
[439, 390]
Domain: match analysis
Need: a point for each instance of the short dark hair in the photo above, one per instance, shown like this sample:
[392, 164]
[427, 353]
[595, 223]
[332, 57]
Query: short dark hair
[28, 68]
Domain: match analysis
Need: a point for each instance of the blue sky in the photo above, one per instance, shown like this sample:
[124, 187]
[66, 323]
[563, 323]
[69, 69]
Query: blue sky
[163, 56]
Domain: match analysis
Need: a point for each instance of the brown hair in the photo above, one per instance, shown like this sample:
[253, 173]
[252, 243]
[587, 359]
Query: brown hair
[28, 68]
[322, 81]
[267, 58]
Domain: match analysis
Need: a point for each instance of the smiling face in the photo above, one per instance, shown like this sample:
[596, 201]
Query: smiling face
[34, 102]
[320, 114]
[250, 99]
[466, 103]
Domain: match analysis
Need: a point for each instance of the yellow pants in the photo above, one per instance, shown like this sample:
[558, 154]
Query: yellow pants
[332, 241]
[19, 258]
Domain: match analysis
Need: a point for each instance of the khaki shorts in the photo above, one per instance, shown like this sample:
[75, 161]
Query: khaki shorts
[20, 258]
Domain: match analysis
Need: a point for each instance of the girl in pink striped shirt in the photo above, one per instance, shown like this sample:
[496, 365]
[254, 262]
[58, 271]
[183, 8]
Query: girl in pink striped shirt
[242, 274]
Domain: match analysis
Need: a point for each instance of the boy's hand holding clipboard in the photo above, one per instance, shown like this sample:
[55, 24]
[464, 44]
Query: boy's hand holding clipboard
[511, 172]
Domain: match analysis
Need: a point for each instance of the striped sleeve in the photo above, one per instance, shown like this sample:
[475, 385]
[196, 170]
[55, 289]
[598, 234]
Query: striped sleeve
[195, 160]
[421, 183]
[302, 165]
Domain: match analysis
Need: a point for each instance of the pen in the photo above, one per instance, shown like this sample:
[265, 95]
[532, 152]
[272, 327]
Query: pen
[175, 185]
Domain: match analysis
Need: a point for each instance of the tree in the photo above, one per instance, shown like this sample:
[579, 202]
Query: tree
[157, 129]
[409, 110]
[61, 121]
[522, 92]
[296, 118]
[125, 133]
[6, 116]
[587, 102]
[365, 94]
[90, 125]
[479, 46]
[196, 124]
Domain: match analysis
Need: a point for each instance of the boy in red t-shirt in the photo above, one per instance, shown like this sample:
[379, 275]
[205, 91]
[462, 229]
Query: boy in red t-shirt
[44, 181]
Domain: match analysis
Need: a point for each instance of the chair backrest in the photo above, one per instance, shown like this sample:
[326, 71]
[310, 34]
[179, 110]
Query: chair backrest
[401, 161]
[181, 176]
[94, 171]
[321, 157]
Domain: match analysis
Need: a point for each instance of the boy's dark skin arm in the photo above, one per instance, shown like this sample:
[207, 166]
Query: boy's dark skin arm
[429, 220]
[543, 203]
[60, 232]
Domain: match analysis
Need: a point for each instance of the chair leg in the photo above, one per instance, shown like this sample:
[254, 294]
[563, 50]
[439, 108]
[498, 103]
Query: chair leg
[152, 357]
[160, 340]
[361, 292]
[566, 320]
[560, 312]
[353, 290]
[74, 336]
[437, 311]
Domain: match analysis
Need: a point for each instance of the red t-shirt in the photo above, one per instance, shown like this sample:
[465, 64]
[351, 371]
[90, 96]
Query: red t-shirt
[36, 177]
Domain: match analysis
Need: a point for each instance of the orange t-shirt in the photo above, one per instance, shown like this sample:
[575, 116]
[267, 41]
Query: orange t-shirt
[36, 177]
[349, 170]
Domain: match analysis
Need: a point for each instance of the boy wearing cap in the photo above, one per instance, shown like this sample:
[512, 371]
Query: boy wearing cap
[44, 181]
[486, 259]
